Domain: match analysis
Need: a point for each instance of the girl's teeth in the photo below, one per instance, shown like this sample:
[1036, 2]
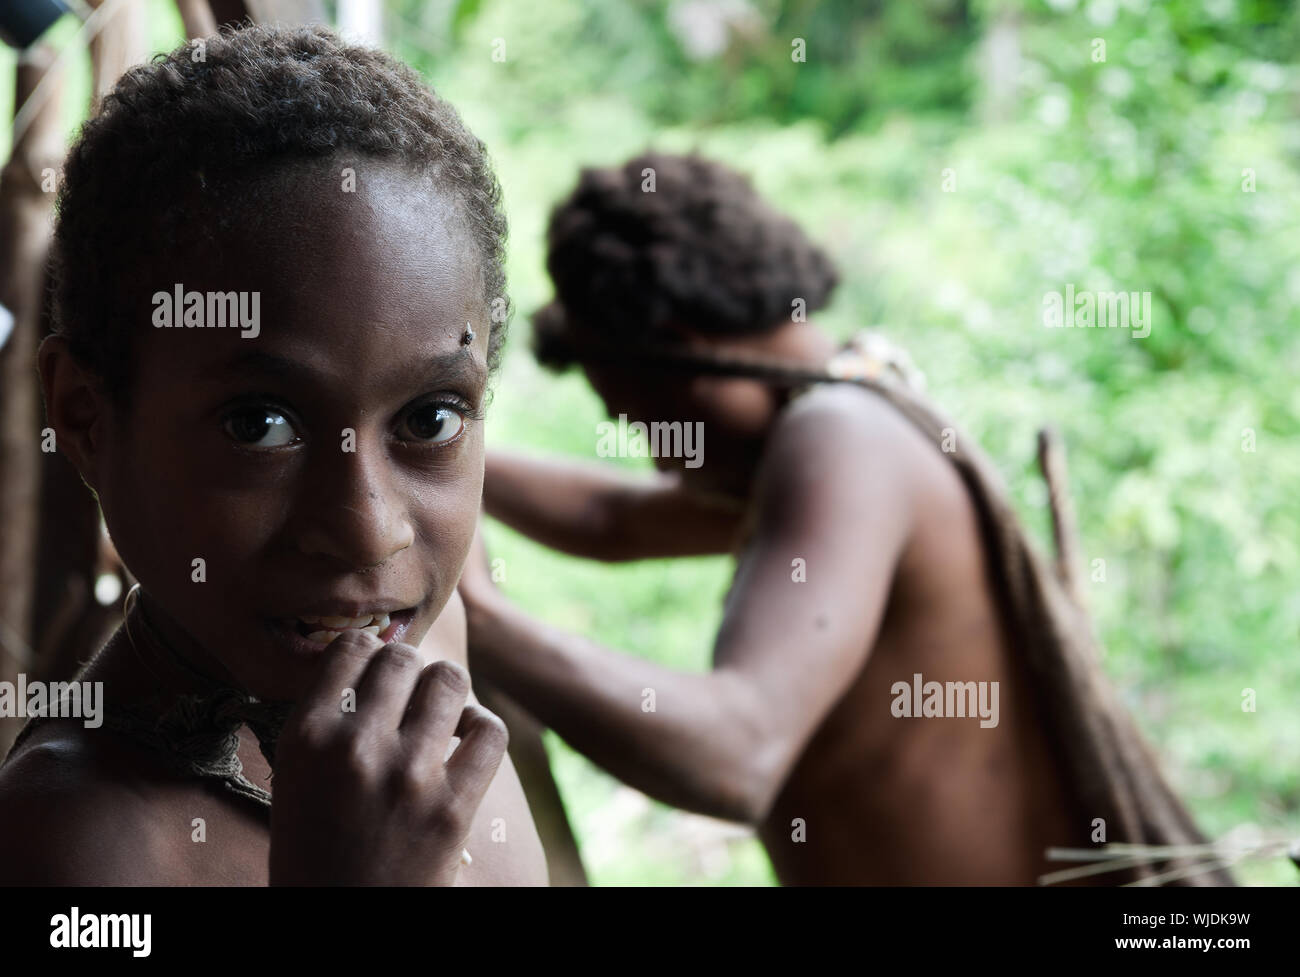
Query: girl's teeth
[375, 624]
[339, 623]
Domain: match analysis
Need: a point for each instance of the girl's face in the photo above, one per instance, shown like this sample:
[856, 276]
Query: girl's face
[332, 466]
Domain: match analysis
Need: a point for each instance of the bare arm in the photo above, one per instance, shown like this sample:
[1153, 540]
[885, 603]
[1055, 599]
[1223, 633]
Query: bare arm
[832, 494]
[597, 512]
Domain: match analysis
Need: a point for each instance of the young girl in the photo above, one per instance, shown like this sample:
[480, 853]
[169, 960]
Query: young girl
[275, 260]
[901, 692]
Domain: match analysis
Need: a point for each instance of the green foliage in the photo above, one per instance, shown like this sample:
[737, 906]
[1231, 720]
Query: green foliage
[713, 62]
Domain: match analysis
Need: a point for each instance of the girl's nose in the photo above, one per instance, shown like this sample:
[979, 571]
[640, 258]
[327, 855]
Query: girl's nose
[354, 516]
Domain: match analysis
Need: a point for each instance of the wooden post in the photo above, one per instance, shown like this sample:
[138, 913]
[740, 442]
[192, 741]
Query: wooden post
[120, 43]
[197, 17]
[287, 11]
[229, 13]
[26, 201]
[528, 754]
[1065, 531]
[70, 623]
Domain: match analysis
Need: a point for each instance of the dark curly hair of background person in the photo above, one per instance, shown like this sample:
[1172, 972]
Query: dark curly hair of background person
[702, 250]
[179, 154]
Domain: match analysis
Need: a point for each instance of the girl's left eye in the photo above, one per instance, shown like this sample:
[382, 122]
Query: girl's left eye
[434, 423]
[260, 427]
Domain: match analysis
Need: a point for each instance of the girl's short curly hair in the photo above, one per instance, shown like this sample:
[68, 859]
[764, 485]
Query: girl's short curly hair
[698, 247]
[172, 156]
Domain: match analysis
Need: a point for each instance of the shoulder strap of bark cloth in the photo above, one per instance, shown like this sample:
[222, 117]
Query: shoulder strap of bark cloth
[198, 734]
[1106, 759]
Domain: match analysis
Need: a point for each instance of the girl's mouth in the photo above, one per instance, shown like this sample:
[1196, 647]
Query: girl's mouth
[323, 630]
[312, 633]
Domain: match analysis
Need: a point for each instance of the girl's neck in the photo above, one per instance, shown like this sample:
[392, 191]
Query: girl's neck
[146, 664]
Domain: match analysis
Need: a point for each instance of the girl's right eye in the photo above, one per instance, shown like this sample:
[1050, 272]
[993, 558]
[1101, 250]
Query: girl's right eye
[260, 427]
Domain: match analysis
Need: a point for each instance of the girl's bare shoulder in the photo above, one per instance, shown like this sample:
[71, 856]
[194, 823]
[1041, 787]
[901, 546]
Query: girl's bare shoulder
[78, 808]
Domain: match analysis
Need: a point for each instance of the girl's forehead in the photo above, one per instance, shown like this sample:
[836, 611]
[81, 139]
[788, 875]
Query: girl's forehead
[302, 207]
[316, 358]
[374, 199]
[350, 278]
[377, 236]
[340, 326]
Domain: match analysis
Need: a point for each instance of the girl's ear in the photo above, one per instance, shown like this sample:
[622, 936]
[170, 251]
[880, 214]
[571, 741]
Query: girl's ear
[75, 406]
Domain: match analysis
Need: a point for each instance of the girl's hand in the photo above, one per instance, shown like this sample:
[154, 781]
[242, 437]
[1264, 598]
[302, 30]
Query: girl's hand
[367, 794]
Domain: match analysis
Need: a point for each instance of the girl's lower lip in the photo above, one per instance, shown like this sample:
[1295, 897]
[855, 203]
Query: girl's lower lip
[291, 640]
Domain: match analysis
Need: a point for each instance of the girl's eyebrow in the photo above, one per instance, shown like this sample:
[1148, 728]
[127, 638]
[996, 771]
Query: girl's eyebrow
[459, 365]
